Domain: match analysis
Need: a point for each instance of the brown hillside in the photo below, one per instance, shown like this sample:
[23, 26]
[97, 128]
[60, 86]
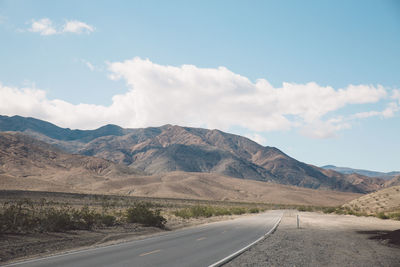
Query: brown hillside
[393, 182]
[384, 200]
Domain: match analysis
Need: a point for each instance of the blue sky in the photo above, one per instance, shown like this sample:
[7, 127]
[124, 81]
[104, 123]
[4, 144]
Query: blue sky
[123, 62]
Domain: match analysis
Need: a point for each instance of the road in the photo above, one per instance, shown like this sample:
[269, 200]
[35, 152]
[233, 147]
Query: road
[197, 246]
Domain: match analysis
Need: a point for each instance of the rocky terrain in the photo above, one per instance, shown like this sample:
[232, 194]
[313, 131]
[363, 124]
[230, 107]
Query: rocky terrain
[159, 150]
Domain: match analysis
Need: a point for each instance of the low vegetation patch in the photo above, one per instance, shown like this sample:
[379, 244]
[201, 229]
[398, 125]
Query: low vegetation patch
[209, 211]
[141, 213]
[26, 216]
[346, 210]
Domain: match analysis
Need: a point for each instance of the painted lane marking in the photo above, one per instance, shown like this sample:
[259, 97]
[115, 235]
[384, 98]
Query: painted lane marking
[201, 238]
[148, 253]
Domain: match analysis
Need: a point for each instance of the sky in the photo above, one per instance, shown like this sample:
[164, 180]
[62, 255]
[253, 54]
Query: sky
[319, 80]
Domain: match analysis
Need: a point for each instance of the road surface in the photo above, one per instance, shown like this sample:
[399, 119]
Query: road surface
[197, 246]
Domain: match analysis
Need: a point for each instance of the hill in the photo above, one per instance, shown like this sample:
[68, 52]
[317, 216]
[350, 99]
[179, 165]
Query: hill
[386, 200]
[393, 182]
[159, 150]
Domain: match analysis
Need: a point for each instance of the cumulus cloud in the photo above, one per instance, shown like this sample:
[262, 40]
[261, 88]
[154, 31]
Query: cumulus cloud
[45, 26]
[204, 97]
[79, 27]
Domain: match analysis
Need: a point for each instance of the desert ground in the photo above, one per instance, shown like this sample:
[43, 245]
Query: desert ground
[326, 240]
[182, 185]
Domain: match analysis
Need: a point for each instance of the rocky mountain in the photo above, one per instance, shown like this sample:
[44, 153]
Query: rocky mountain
[23, 157]
[157, 150]
[29, 164]
[345, 170]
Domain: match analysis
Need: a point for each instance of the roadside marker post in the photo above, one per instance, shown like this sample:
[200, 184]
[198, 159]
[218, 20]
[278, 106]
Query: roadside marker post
[298, 222]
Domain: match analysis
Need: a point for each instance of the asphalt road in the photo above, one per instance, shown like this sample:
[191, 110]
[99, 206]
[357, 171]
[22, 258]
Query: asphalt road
[197, 246]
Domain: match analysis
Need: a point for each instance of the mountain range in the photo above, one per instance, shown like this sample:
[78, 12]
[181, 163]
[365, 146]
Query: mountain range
[29, 164]
[171, 148]
[346, 170]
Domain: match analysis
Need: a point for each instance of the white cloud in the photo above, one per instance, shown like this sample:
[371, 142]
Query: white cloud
[45, 26]
[388, 112]
[79, 27]
[88, 64]
[396, 95]
[324, 129]
[204, 97]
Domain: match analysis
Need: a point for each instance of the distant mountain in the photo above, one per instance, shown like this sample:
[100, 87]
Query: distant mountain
[158, 150]
[345, 170]
[393, 182]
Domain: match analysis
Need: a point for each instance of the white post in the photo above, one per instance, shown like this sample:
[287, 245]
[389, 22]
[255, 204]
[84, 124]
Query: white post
[298, 222]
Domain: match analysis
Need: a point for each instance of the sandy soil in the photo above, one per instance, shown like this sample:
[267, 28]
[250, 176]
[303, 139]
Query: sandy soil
[15, 247]
[326, 240]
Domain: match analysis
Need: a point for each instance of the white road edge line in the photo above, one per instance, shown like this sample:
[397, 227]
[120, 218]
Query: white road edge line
[240, 251]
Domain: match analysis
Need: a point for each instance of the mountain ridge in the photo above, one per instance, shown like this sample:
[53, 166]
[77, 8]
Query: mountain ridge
[157, 150]
[347, 170]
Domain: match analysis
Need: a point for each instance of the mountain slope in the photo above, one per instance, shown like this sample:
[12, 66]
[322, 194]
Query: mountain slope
[157, 150]
[393, 182]
[23, 156]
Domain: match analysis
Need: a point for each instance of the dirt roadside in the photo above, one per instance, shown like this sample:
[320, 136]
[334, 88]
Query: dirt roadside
[326, 240]
[16, 247]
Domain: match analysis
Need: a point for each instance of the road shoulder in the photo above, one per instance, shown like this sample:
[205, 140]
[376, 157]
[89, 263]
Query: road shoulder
[325, 240]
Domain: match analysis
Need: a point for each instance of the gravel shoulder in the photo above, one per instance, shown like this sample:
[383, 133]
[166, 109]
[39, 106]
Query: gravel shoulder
[326, 240]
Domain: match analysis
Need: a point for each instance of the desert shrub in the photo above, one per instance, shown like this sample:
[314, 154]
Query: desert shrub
[202, 211]
[208, 211]
[301, 208]
[382, 215]
[56, 220]
[221, 211]
[254, 210]
[108, 220]
[141, 213]
[238, 211]
[24, 216]
[328, 210]
[183, 213]
[394, 216]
